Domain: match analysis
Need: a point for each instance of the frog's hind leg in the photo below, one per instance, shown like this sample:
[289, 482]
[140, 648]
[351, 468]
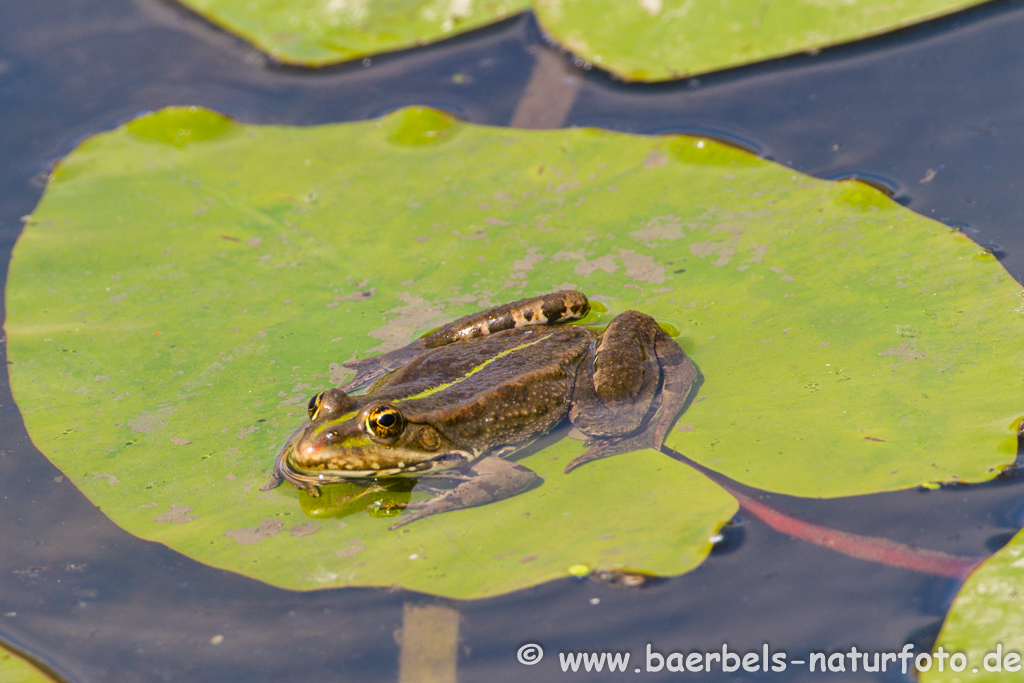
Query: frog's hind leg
[621, 408]
[550, 309]
[612, 398]
[491, 479]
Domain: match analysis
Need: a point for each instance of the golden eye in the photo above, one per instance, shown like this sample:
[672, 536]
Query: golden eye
[385, 422]
[314, 405]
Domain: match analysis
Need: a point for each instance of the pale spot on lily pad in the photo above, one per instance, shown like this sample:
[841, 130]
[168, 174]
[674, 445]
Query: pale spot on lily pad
[667, 228]
[148, 422]
[587, 268]
[306, 529]
[350, 550]
[337, 373]
[760, 250]
[703, 249]
[905, 351]
[177, 515]
[655, 158]
[641, 267]
[416, 314]
[521, 267]
[253, 535]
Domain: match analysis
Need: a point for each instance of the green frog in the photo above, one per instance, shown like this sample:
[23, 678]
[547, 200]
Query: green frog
[454, 404]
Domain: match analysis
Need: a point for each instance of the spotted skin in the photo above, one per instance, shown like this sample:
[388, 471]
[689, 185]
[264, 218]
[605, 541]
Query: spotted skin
[457, 400]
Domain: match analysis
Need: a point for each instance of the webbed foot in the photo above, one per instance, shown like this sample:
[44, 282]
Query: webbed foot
[492, 479]
[605, 447]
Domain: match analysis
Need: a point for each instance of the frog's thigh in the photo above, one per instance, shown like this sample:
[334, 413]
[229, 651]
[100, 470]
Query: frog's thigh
[621, 431]
[549, 309]
[491, 479]
[625, 379]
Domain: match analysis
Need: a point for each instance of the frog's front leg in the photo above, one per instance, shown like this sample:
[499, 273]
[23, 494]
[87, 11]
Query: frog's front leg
[618, 404]
[490, 479]
[550, 309]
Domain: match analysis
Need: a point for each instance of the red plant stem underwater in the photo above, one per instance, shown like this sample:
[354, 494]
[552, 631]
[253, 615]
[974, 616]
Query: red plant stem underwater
[869, 548]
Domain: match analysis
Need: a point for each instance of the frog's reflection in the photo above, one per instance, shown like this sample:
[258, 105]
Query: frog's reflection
[379, 498]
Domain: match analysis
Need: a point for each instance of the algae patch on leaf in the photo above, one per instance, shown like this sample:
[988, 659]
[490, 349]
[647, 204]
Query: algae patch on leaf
[172, 308]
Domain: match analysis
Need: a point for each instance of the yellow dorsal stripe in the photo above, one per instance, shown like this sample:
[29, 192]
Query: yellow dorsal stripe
[433, 390]
[442, 387]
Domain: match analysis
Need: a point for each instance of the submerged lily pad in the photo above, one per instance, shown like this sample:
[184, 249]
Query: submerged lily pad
[986, 620]
[641, 40]
[172, 307]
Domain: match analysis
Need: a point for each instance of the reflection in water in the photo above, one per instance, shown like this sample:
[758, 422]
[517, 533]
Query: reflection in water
[430, 643]
[378, 497]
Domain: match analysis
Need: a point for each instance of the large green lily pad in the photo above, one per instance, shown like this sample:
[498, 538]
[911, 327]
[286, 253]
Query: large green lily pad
[987, 614]
[188, 282]
[639, 40]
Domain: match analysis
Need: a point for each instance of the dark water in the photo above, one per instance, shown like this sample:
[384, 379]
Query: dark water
[92, 603]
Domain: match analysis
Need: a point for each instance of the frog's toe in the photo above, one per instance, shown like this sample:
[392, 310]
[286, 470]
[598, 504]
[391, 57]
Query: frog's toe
[595, 452]
[408, 518]
[607, 447]
[272, 482]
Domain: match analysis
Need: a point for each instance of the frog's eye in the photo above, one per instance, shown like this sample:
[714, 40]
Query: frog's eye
[385, 422]
[314, 405]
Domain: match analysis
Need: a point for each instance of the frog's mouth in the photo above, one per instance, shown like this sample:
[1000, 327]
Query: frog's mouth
[310, 480]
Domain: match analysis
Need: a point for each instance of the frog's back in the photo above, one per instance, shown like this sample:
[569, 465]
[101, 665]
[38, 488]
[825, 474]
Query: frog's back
[512, 384]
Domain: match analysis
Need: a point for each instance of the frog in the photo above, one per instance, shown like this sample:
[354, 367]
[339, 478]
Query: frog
[458, 404]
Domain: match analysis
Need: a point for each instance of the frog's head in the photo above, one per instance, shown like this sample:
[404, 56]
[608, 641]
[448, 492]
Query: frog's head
[362, 437]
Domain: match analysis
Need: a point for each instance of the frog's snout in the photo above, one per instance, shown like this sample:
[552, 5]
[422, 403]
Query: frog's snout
[315, 448]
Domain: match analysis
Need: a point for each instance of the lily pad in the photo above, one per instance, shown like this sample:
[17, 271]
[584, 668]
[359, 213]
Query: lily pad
[176, 299]
[986, 620]
[657, 40]
[319, 32]
[14, 669]
[639, 40]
